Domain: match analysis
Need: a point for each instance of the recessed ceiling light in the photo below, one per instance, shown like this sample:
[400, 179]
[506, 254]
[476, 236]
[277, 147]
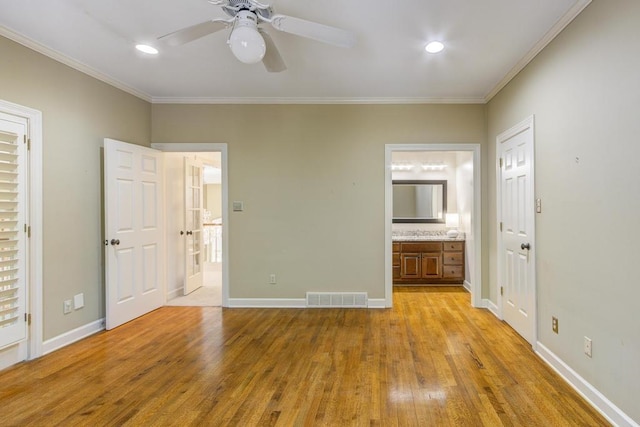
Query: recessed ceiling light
[147, 49]
[434, 47]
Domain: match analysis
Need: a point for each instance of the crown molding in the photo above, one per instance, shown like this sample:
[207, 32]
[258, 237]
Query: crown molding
[537, 48]
[303, 100]
[66, 60]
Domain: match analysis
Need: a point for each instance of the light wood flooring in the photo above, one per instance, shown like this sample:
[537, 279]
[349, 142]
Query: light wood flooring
[430, 361]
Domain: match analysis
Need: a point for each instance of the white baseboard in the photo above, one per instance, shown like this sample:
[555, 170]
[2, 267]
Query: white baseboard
[174, 294]
[489, 305]
[267, 303]
[603, 405]
[72, 336]
[376, 303]
[467, 285]
[287, 303]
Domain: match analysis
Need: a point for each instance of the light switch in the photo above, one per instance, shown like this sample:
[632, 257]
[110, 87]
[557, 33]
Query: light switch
[238, 206]
[538, 205]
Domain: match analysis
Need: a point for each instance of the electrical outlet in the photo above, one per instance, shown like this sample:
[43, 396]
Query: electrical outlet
[66, 307]
[554, 324]
[587, 346]
[272, 279]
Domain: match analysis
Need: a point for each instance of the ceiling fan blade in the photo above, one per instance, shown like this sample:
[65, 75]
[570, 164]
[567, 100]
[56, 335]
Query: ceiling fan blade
[272, 60]
[194, 32]
[313, 30]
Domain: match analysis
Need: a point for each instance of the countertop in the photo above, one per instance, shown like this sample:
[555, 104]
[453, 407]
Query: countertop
[411, 235]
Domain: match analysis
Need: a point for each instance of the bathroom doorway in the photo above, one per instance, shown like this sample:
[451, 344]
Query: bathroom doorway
[458, 164]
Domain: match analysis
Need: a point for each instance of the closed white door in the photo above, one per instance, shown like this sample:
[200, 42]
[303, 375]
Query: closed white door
[194, 254]
[13, 230]
[134, 235]
[517, 237]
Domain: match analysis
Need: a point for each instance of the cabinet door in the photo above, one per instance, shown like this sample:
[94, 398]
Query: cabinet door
[432, 265]
[410, 266]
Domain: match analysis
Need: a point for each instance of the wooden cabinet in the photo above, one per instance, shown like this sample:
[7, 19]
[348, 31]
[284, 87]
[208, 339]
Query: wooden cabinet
[428, 262]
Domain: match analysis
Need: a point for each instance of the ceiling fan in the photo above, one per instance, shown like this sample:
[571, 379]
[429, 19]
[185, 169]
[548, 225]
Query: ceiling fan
[248, 40]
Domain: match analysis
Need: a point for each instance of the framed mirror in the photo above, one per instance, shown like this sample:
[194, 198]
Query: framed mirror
[419, 201]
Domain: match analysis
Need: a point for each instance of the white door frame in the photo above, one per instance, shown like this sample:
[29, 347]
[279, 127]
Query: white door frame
[520, 127]
[476, 220]
[178, 147]
[35, 243]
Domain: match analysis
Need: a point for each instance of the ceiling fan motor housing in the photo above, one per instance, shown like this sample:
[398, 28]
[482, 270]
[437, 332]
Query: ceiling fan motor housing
[234, 7]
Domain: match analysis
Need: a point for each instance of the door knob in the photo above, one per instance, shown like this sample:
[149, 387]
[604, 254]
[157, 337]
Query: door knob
[189, 233]
[115, 242]
[526, 246]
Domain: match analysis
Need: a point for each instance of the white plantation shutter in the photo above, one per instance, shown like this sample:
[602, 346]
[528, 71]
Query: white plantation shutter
[13, 325]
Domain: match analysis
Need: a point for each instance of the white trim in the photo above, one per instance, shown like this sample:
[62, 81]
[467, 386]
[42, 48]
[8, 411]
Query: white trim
[318, 100]
[9, 355]
[528, 123]
[598, 400]
[476, 220]
[73, 63]
[489, 305]
[288, 303]
[35, 219]
[467, 285]
[376, 303]
[173, 294]
[72, 336]
[267, 303]
[178, 147]
[565, 20]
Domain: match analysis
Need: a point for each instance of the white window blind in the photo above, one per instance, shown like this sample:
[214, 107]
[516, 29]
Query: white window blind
[12, 233]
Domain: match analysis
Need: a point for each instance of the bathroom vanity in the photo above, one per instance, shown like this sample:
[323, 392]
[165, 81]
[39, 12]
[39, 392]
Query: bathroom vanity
[425, 258]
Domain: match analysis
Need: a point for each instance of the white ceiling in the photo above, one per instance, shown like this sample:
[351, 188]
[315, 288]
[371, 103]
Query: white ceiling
[487, 42]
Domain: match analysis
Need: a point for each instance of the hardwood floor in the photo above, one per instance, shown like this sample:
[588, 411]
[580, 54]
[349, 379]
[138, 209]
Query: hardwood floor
[431, 361]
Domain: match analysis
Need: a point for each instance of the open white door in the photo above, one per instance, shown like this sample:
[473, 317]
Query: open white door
[517, 261]
[193, 170]
[13, 274]
[134, 234]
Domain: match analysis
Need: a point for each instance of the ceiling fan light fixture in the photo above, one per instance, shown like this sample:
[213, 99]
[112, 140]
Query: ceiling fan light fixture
[434, 47]
[245, 41]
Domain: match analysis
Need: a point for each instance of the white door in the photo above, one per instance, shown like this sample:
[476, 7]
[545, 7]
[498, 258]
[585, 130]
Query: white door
[194, 255]
[517, 262]
[13, 230]
[134, 234]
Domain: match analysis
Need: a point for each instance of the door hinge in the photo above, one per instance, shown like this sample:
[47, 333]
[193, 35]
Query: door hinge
[501, 290]
[500, 225]
[27, 318]
[27, 229]
[27, 141]
[500, 161]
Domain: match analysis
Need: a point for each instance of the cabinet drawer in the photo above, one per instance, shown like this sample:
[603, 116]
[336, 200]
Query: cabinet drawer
[421, 246]
[396, 259]
[452, 258]
[395, 247]
[452, 272]
[453, 246]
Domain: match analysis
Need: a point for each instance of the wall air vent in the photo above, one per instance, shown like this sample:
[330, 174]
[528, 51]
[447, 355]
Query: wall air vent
[337, 299]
